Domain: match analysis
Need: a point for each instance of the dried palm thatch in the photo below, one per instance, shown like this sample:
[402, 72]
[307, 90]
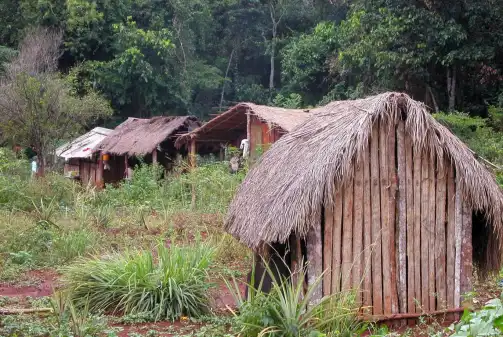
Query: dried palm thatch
[223, 125]
[137, 137]
[287, 190]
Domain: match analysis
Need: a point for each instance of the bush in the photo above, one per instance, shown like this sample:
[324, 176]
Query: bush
[167, 286]
[286, 312]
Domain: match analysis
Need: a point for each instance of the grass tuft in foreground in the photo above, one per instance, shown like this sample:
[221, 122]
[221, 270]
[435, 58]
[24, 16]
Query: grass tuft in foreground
[166, 284]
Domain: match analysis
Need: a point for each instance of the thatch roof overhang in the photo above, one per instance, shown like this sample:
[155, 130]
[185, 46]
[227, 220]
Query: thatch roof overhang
[294, 180]
[138, 137]
[83, 146]
[230, 124]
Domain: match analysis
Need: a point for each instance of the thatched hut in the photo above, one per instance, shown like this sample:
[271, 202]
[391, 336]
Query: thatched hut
[261, 125]
[152, 139]
[380, 196]
[80, 161]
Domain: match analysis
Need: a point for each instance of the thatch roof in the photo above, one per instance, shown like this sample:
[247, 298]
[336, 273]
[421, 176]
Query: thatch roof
[83, 146]
[286, 191]
[227, 125]
[138, 137]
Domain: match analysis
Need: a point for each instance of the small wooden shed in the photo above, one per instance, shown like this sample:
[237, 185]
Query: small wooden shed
[80, 161]
[380, 196]
[261, 125]
[152, 139]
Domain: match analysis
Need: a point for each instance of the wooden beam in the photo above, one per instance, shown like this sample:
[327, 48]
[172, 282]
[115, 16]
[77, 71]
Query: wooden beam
[100, 182]
[425, 232]
[458, 228]
[402, 217]
[417, 227]
[327, 248]
[385, 218]
[154, 156]
[377, 285]
[347, 236]
[367, 233]
[466, 250]
[431, 231]
[337, 242]
[192, 153]
[314, 246]
[392, 200]
[358, 249]
[450, 232]
[440, 241]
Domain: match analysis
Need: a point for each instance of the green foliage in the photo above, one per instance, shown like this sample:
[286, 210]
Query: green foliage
[293, 101]
[485, 322]
[169, 284]
[285, 312]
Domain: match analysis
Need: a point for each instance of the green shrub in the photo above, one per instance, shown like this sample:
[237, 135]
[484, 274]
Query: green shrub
[169, 285]
[287, 312]
[486, 322]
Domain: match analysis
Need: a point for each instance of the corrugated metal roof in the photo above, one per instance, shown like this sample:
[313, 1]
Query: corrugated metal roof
[82, 147]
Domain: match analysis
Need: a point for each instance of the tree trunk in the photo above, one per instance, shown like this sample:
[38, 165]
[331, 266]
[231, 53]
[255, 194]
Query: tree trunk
[273, 54]
[451, 87]
[225, 79]
[433, 100]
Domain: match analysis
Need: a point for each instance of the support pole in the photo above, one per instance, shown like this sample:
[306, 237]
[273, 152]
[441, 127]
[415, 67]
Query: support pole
[154, 157]
[99, 176]
[192, 163]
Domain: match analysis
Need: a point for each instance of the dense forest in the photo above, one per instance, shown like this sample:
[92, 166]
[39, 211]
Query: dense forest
[152, 57]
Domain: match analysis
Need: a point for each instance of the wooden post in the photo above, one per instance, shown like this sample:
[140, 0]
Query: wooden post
[337, 242]
[192, 160]
[99, 174]
[154, 157]
[458, 227]
[377, 285]
[440, 242]
[358, 249]
[425, 232]
[296, 258]
[466, 250]
[402, 218]
[315, 261]
[450, 232]
[417, 226]
[126, 167]
[367, 233]
[327, 249]
[385, 185]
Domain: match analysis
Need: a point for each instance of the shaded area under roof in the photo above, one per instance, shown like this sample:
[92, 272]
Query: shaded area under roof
[230, 124]
[83, 146]
[138, 137]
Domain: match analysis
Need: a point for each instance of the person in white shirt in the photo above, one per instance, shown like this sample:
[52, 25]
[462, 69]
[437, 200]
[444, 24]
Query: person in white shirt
[245, 146]
[33, 166]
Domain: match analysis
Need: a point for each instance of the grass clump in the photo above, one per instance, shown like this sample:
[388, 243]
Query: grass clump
[286, 311]
[167, 283]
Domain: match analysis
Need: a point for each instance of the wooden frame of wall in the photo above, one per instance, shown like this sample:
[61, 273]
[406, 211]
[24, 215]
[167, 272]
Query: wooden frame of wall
[399, 231]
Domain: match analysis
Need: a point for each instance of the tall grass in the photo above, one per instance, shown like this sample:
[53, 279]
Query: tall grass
[166, 284]
[286, 311]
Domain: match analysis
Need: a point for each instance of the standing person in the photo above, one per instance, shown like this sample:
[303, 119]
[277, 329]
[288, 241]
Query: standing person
[34, 166]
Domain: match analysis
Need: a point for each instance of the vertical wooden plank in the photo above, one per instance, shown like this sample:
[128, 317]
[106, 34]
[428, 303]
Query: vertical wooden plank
[358, 230]
[450, 232]
[337, 242]
[347, 235]
[425, 234]
[440, 242]
[458, 226]
[154, 156]
[392, 201]
[466, 250]
[367, 233]
[417, 227]
[377, 286]
[385, 220]
[431, 233]
[327, 248]
[315, 260]
[409, 204]
[402, 217]
[296, 260]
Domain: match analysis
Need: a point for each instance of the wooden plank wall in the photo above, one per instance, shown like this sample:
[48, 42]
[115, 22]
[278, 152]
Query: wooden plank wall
[399, 231]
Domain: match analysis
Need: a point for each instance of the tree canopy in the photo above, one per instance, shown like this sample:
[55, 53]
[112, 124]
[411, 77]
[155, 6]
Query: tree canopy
[197, 57]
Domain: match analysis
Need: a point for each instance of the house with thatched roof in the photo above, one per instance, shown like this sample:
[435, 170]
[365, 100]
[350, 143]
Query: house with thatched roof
[261, 125]
[151, 139]
[81, 163]
[383, 198]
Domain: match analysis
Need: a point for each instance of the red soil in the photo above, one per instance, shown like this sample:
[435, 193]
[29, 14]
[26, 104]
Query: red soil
[45, 279]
